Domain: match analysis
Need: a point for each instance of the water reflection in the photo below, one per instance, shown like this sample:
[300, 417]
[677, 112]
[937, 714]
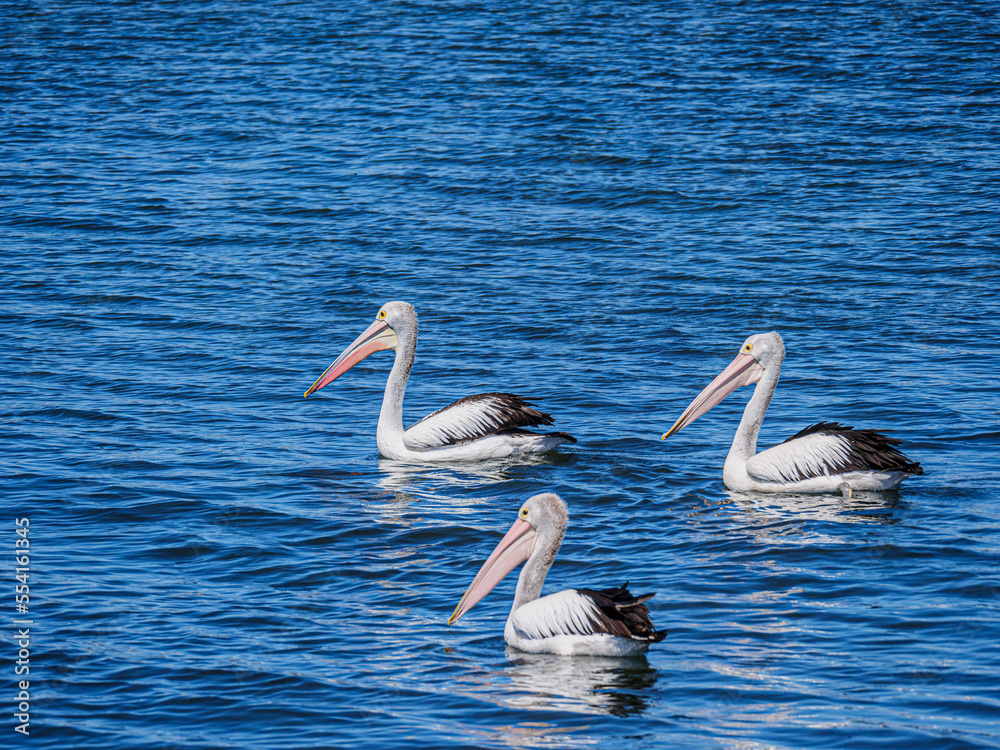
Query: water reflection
[405, 479]
[619, 686]
[400, 476]
[540, 734]
[863, 507]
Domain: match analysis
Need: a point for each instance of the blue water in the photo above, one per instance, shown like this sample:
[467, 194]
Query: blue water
[590, 204]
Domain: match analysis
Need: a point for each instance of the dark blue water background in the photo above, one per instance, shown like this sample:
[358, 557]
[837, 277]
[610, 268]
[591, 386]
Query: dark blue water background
[591, 204]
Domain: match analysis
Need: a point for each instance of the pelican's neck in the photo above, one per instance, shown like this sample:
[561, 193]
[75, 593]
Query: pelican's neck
[389, 435]
[744, 445]
[529, 582]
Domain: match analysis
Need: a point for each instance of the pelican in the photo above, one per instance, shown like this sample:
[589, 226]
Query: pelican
[609, 622]
[485, 426]
[824, 457]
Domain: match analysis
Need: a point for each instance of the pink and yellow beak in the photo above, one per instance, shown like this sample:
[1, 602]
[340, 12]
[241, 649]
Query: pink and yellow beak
[744, 370]
[516, 547]
[377, 337]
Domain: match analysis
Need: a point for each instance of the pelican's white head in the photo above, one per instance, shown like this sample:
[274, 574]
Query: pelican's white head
[400, 317]
[760, 353]
[395, 323]
[540, 523]
[766, 348]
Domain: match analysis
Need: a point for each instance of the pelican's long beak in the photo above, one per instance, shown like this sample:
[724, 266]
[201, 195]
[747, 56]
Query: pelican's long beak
[743, 370]
[377, 337]
[514, 549]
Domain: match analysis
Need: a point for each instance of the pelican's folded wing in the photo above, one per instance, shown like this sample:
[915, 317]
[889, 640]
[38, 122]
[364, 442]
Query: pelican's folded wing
[587, 612]
[565, 613]
[827, 449]
[474, 417]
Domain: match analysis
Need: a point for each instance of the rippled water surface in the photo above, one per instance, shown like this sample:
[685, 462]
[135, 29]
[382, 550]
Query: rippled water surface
[590, 204]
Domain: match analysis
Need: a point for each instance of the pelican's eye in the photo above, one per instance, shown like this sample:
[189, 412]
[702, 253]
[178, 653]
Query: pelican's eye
[381, 314]
[524, 513]
[747, 348]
